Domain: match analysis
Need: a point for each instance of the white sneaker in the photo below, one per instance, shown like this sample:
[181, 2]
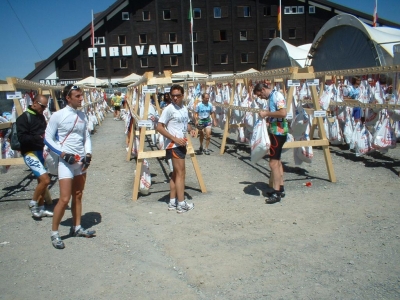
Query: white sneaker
[34, 210]
[183, 207]
[45, 213]
[172, 206]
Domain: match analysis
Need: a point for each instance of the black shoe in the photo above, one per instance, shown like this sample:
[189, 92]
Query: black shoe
[274, 198]
[282, 194]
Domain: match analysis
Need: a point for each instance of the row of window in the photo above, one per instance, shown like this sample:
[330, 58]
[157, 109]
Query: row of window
[173, 61]
[222, 12]
[218, 36]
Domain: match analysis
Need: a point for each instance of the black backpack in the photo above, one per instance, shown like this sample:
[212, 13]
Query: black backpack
[14, 142]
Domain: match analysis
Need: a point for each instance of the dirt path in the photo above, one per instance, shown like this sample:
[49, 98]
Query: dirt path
[328, 241]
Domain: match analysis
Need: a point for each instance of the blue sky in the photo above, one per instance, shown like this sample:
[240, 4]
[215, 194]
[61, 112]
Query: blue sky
[45, 23]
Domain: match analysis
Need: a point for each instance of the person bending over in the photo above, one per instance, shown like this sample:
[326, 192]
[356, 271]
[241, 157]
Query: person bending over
[277, 130]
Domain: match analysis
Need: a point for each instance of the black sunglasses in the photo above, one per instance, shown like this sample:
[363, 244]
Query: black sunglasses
[42, 105]
[74, 87]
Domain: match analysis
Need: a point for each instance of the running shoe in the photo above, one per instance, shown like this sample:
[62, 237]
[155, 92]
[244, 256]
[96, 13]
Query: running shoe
[206, 152]
[45, 213]
[183, 207]
[172, 206]
[34, 210]
[82, 232]
[57, 242]
[273, 198]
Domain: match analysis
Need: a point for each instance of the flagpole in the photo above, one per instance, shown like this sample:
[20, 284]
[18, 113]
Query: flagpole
[280, 19]
[191, 33]
[94, 52]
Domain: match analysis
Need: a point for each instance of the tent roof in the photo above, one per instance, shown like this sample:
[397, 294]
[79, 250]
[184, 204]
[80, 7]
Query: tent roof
[188, 75]
[251, 70]
[90, 81]
[280, 54]
[159, 80]
[130, 78]
[345, 42]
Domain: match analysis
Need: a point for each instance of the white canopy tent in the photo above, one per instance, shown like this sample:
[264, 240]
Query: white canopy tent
[281, 54]
[132, 78]
[90, 81]
[188, 75]
[345, 42]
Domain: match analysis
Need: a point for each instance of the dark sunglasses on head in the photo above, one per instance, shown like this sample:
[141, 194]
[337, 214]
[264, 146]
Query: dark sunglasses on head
[74, 87]
[42, 105]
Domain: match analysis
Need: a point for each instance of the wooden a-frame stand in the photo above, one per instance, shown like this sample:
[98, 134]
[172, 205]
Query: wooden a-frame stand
[156, 153]
[297, 74]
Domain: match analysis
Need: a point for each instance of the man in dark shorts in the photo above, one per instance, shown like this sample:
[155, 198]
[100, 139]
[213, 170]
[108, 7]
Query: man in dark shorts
[173, 125]
[277, 129]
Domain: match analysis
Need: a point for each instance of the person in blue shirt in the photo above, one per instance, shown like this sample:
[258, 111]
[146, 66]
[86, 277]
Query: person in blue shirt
[203, 113]
[354, 93]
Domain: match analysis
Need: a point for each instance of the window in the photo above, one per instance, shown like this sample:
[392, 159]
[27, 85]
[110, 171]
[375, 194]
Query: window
[272, 34]
[173, 37]
[72, 65]
[144, 62]
[173, 61]
[125, 15]
[217, 12]
[223, 35]
[123, 63]
[224, 59]
[122, 40]
[142, 38]
[167, 14]
[246, 11]
[194, 36]
[146, 15]
[244, 58]
[287, 10]
[267, 11]
[294, 9]
[243, 35]
[100, 40]
[292, 33]
[311, 9]
[196, 13]
[300, 9]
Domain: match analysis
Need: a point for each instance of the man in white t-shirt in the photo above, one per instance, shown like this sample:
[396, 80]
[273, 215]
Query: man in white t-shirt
[173, 125]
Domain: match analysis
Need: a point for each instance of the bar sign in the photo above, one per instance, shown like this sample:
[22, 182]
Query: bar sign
[319, 113]
[292, 82]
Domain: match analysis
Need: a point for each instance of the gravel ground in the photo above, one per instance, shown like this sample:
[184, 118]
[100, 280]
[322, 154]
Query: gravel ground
[328, 241]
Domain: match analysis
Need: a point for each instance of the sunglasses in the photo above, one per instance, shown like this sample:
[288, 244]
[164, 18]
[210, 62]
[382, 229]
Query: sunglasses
[74, 87]
[42, 105]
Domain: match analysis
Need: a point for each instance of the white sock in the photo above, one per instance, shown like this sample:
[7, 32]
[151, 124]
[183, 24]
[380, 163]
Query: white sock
[172, 200]
[33, 203]
[54, 232]
[181, 202]
[76, 228]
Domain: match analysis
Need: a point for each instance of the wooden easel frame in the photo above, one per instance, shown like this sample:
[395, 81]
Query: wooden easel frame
[143, 131]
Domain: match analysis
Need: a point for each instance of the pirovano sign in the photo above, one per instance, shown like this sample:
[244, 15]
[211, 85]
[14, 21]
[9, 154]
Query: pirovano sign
[140, 50]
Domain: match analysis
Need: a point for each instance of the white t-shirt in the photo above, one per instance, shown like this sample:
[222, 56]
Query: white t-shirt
[176, 120]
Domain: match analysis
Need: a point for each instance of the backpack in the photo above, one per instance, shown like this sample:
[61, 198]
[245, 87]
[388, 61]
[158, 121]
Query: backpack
[14, 142]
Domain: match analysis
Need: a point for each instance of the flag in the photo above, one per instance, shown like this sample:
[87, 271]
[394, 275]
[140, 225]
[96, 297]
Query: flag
[279, 18]
[375, 13]
[191, 19]
[92, 32]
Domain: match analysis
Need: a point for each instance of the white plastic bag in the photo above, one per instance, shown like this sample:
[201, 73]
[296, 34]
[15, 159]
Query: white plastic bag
[260, 142]
[384, 136]
[362, 140]
[51, 159]
[145, 178]
[335, 134]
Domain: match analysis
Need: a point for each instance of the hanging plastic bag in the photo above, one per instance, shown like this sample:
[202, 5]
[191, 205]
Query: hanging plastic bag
[384, 136]
[260, 142]
[335, 134]
[51, 160]
[145, 178]
[362, 140]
